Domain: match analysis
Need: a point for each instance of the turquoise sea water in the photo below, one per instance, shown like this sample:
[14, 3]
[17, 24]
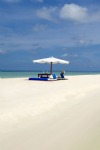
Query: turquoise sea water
[21, 74]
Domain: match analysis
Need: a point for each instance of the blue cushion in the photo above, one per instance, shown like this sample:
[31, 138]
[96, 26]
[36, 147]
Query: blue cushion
[62, 75]
[40, 79]
[54, 76]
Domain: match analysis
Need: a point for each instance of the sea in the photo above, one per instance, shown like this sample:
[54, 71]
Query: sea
[27, 74]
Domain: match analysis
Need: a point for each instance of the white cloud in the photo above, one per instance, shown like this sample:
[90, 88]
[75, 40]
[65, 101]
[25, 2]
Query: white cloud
[39, 27]
[79, 14]
[64, 55]
[82, 40]
[73, 12]
[47, 13]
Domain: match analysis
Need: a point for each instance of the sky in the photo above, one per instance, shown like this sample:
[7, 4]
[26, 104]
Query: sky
[36, 29]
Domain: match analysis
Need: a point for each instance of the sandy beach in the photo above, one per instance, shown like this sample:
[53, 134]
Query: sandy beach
[50, 115]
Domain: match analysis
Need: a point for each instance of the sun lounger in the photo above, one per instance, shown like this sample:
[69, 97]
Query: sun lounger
[50, 78]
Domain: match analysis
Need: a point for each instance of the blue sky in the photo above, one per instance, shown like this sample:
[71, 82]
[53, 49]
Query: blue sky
[66, 29]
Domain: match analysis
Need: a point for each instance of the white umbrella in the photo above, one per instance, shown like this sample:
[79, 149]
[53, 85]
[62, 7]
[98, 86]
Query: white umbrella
[51, 60]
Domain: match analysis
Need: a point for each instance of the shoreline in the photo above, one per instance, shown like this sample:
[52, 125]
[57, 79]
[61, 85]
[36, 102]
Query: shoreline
[24, 74]
[50, 115]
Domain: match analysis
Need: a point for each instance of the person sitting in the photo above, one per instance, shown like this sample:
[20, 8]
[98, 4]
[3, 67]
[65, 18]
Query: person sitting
[62, 74]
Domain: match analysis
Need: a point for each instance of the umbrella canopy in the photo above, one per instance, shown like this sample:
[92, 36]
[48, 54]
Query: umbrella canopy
[51, 60]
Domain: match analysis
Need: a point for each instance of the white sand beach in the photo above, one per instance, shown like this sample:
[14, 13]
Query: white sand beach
[50, 115]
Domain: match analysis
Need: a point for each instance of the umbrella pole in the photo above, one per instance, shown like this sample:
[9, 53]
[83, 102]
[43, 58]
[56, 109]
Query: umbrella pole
[51, 68]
